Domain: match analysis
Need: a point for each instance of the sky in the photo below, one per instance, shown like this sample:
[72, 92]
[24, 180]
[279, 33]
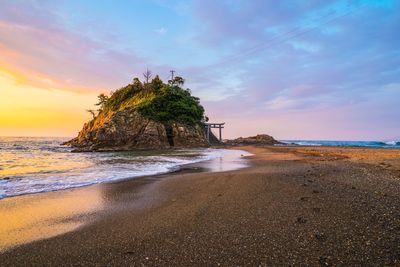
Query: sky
[293, 69]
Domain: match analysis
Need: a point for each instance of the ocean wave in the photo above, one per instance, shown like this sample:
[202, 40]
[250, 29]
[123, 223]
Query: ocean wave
[375, 144]
[306, 143]
[392, 143]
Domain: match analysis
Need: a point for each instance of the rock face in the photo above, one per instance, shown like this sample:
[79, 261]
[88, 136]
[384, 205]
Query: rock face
[260, 139]
[129, 130]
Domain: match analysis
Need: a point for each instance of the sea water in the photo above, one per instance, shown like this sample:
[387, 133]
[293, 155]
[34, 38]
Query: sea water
[373, 144]
[34, 165]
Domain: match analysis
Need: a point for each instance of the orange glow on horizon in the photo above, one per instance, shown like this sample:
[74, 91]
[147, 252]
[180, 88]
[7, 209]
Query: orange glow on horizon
[26, 110]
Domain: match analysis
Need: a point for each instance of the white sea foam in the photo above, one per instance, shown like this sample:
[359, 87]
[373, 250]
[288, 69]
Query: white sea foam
[392, 143]
[41, 165]
[376, 144]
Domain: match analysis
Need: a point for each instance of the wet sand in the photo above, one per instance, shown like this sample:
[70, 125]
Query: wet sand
[293, 206]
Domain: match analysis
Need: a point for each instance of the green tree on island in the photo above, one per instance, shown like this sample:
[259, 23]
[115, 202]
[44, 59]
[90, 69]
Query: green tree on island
[162, 102]
[102, 100]
[179, 81]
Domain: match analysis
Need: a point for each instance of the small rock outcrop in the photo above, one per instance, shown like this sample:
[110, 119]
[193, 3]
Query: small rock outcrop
[260, 139]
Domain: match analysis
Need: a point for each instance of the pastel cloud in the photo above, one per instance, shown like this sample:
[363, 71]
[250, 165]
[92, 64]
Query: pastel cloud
[335, 74]
[296, 69]
[44, 53]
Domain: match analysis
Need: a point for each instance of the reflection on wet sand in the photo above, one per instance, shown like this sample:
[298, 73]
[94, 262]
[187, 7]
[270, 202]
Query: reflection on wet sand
[32, 217]
[229, 160]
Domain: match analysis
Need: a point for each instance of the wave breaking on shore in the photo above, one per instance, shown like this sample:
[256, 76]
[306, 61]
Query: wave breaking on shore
[374, 144]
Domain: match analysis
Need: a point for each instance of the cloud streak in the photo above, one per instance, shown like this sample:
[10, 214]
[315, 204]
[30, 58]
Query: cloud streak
[55, 57]
[311, 68]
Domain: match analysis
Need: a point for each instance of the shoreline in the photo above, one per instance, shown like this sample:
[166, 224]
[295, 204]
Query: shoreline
[309, 205]
[52, 215]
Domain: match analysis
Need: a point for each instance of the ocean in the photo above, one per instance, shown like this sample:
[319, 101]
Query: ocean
[34, 165]
[372, 144]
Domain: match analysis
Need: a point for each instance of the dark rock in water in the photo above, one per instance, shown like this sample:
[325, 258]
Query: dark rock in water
[260, 139]
[128, 129]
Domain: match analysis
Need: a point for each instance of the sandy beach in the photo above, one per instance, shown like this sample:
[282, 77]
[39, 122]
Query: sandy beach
[309, 206]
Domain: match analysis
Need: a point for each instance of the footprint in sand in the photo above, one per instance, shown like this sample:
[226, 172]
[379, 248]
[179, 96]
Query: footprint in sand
[316, 209]
[301, 220]
[320, 237]
[324, 260]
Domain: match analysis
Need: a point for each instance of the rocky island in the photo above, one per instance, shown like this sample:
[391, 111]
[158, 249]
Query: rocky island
[144, 115]
[257, 140]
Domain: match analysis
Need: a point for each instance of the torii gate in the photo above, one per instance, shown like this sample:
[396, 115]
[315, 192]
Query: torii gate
[208, 127]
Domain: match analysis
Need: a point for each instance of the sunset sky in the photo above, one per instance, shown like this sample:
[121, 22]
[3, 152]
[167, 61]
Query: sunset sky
[295, 69]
